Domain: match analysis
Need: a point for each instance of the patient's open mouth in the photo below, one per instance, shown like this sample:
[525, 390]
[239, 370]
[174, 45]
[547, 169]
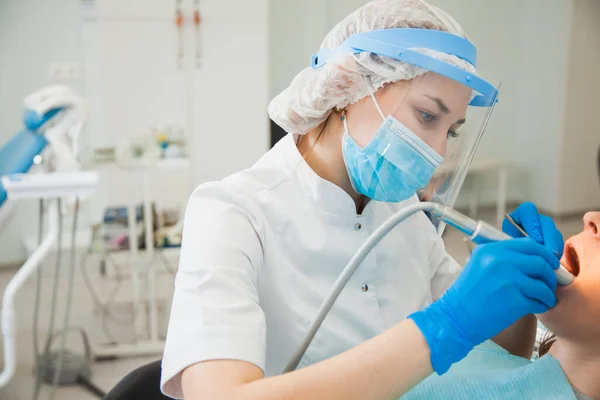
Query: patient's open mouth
[572, 259]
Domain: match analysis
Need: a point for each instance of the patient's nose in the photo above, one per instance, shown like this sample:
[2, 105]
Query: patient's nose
[591, 222]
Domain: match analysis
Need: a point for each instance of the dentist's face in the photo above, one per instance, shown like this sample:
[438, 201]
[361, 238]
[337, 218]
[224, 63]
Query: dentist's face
[430, 105]
[577, 313]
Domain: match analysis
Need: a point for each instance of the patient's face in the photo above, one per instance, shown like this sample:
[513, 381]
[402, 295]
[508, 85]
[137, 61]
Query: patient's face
[577, 313]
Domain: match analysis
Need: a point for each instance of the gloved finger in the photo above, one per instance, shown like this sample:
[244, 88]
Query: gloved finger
[536, 307]
[535, 267]
[537, 290]
[510, 230]
[527, 216]
[527, 246]
[517, 216]
[552, 236]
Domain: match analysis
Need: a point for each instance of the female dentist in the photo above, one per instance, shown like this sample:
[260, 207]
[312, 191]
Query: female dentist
[368, 124]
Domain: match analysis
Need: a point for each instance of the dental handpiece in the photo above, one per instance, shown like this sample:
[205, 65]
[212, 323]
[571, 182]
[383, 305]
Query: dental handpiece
[478, 232]
[482, 232]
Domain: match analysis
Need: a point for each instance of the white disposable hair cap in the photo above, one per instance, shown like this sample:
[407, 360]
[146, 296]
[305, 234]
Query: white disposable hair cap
[314, 93]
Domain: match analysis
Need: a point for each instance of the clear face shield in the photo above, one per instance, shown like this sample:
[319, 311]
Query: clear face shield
[431, 125]
[447, 181]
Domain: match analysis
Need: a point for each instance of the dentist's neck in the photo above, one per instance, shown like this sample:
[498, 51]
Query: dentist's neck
[581, 364]
[321, 148]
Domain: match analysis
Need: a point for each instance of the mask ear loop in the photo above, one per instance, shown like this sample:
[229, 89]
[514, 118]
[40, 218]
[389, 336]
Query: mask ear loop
[381, 114]
[343, 119]
[373, 98]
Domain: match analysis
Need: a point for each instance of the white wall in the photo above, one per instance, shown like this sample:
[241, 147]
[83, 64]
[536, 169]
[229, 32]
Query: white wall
[491, 26]
[579, 186]
[544, 45]
[297, 30]
[292, 41]
[546, 53]
[33, 34]
[524, 45]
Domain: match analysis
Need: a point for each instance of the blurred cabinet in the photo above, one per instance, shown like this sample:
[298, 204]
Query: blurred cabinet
[231, 88]
[142, 71]
[131, 9]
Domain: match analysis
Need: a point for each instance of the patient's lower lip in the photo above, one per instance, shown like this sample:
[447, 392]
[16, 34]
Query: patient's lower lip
[571, 259]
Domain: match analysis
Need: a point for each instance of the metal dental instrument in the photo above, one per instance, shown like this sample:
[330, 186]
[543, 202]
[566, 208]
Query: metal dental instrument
[478, 231]
[562, 273]
[517, 226]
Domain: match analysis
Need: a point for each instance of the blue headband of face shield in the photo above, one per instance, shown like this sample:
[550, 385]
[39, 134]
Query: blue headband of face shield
[395, 43]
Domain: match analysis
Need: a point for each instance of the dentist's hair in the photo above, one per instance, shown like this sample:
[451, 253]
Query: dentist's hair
[314, 93]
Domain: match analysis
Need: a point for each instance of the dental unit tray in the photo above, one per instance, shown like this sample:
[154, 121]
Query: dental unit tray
[50, 185]
[479, 232]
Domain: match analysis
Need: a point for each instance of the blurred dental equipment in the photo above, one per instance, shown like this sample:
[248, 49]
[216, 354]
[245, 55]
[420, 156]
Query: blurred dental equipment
[41, 162]
[479, 232]
[141, 152]
[165, 143]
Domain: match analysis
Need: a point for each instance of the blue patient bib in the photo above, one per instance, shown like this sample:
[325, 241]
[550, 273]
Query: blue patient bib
[490, 372]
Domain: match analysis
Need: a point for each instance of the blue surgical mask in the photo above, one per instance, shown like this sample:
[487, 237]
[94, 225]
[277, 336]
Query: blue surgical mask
[393, 166]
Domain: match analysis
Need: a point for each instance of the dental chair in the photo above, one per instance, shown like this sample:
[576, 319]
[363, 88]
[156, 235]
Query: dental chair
[40, 162]
[17, 156]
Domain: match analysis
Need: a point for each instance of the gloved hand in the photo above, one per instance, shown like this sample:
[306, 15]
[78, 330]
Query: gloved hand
[502, 282]
[539, 227]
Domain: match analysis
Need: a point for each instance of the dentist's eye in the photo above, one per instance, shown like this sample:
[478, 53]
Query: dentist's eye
[428, 117]
[452, 135]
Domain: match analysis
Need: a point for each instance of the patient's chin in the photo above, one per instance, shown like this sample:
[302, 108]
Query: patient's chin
[564, 314]
[575, 317]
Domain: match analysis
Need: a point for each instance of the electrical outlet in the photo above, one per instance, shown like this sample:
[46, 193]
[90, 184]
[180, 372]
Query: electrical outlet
[71, 71]
[61, 72]
[55, 72]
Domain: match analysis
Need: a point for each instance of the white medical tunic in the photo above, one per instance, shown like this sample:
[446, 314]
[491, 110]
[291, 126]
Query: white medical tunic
[261, 250]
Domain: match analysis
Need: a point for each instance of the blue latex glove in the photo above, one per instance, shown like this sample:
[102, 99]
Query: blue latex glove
[502, 282]
[539, 227]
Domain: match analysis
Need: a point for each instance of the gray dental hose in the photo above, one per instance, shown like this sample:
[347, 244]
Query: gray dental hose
[478, 231]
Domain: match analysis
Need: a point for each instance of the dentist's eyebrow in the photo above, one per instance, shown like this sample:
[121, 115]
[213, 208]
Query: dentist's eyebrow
[440, 104]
